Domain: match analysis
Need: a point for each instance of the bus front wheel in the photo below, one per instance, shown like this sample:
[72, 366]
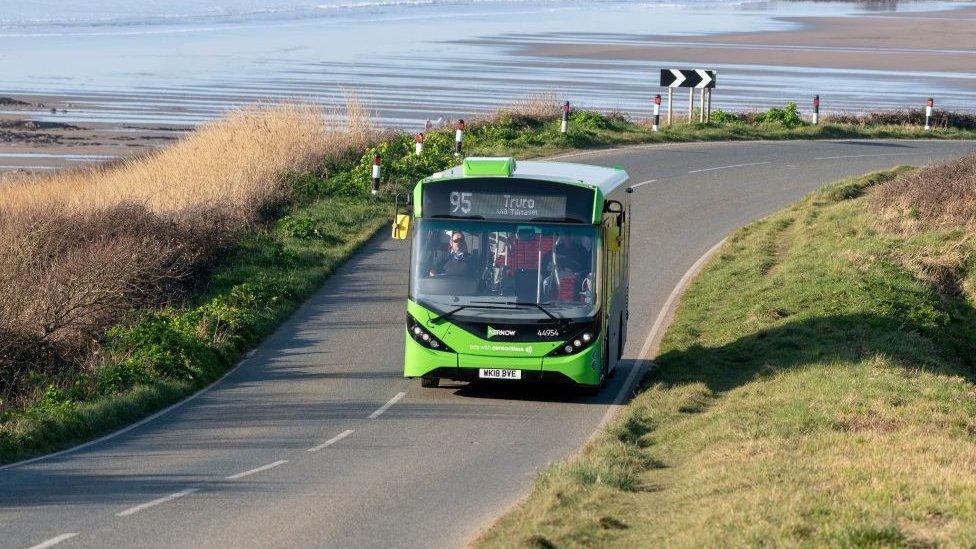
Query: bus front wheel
[430, 382]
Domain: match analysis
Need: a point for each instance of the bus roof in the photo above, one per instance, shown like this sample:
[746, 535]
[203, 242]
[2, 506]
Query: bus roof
[606, 179]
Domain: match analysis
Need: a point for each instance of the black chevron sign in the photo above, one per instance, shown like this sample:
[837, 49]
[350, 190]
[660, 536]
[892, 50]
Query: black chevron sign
[687, 78]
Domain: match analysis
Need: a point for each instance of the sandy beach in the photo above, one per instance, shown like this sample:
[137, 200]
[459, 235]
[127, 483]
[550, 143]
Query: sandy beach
[932, 41]
[28, 144]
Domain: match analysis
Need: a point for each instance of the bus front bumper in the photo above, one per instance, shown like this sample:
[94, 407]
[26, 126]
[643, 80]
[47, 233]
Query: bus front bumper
[581, 368]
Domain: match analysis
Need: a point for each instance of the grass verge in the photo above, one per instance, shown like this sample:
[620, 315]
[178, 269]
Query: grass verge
[815, 388]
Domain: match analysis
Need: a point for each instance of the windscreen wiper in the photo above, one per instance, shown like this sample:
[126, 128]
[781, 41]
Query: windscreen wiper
[537, 306]
[449, 314]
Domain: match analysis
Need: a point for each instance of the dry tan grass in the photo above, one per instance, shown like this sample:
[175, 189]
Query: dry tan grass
[937, 197]
[543, 106]
[236, 161]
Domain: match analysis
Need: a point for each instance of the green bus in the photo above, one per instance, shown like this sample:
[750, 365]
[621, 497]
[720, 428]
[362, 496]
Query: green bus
[517, 272]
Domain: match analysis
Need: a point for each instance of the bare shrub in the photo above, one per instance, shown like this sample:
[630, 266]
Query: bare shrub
[906, 117]
[942, 196]
[68, 277]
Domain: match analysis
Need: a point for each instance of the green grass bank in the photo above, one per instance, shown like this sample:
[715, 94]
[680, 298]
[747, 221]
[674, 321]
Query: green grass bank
[815, 389]
[159, 355]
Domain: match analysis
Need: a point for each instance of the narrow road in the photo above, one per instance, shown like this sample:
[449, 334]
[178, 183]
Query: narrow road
[317, 440]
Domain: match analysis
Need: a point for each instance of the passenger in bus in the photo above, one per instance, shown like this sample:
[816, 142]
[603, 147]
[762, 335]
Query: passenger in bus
[455, 261]
[571, 254]
[568, 268]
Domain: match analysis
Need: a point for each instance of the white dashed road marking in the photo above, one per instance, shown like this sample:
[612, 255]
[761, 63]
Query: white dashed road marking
[54, 541]
[386, 406]
[155, 502]
[258, 469]
[332, 440]
[731, 166]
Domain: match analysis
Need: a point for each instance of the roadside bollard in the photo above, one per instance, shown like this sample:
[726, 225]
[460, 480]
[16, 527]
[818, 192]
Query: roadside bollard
[657, 113]
[458, 138]
[816, 109]
[376, 173]
[419, 146]
[928, 114]
[565, 124]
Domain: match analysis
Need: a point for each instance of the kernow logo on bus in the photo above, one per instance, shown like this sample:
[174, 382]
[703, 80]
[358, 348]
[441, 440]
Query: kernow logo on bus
[492, 332]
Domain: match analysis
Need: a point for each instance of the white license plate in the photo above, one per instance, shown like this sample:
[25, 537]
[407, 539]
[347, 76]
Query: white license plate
[493, 373]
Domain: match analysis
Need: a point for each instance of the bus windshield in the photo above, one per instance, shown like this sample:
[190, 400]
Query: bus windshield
[535, 270]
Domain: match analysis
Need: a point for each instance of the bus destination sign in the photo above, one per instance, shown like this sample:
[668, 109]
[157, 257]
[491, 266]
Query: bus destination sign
[518, 200]
[507, 206]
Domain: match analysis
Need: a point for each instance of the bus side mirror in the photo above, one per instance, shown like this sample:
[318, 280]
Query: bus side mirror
[401, 226]
[401, 221]
[612, 236]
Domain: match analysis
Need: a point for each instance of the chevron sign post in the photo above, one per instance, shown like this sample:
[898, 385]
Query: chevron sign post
[692, 79]
[687, 78]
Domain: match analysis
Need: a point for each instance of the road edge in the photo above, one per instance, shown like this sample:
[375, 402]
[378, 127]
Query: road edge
[652, 342]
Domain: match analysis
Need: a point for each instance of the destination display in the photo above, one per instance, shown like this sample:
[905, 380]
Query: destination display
[507, 206]
[517, 200]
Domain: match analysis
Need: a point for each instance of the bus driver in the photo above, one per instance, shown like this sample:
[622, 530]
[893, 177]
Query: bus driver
[455, 261]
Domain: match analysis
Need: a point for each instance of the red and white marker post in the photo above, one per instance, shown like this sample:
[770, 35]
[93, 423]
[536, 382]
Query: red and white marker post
[928, 114]
[377, 161]
[816, 109]
[565, 125]
[657, 113]
[458, 138]
[419, 145]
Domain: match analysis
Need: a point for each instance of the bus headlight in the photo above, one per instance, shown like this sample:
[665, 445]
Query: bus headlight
[419, 334]
[579, 342]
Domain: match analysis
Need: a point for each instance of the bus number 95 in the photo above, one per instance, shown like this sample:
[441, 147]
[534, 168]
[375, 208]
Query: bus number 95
[460, 202]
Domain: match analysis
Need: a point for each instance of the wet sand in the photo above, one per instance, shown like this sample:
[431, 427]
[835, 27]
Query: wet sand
[30, 144]
[928, 41]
